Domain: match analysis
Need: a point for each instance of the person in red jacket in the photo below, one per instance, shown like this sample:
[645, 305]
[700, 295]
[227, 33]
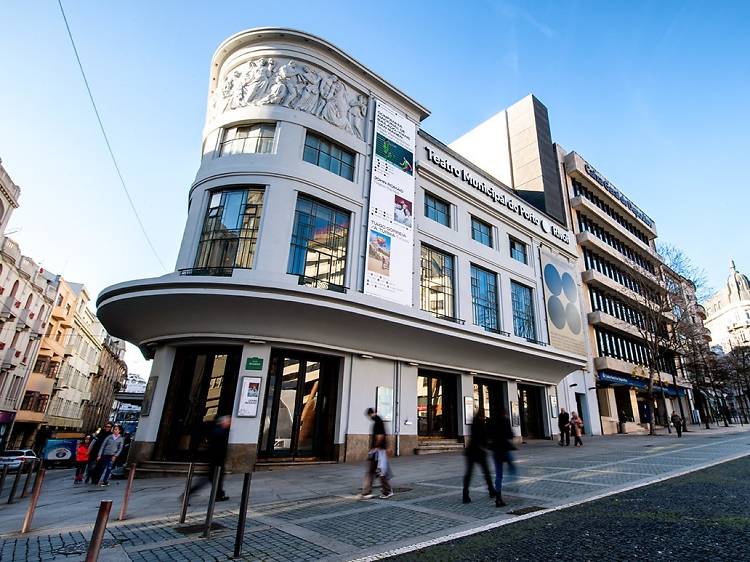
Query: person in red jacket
[82, 459]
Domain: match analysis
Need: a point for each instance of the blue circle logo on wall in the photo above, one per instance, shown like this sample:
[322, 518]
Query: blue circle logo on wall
[562, 307]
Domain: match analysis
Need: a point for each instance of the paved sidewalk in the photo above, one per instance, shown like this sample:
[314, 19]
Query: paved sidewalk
[307, 513]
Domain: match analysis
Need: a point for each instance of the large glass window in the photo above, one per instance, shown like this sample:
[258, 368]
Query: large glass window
[518, 251]
[319, 241]
[437, 283]
[484, 298]
[481, 231]
[250, 139]
[523, 311]
[437, 209]
[329, 155]
[230, 231]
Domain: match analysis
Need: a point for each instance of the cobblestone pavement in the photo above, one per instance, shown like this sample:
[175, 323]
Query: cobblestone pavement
[700, 516]
[313, 513]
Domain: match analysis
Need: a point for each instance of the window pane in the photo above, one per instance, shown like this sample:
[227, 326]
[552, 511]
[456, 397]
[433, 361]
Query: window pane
[436, 209]
[484, 298]
[329, 155]
[319, 243]
[437, 282]
[230, 229]
[523, 311]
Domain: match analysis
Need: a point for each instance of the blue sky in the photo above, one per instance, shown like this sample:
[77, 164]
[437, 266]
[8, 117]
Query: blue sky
[654, 94]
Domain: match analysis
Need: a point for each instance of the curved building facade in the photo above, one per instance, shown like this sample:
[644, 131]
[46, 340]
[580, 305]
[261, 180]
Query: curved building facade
[337, 257]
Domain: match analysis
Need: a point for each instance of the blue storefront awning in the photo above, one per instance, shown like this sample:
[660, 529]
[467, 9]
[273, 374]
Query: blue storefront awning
[612, 377]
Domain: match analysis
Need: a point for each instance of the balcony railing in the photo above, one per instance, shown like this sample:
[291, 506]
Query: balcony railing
[210, 271]
[321, 284]
[453, 319]
[11, 250]
[9, 307]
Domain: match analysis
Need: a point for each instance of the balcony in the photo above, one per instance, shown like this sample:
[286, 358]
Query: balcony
[27, 268]
[70, 349]
[706, 334]
[581, 203]
[630, 369]
[599, 318]
[11, 358]
[701, 311]
[9, 307]
[10, 250]
[50, 292]
[589, 240]
[27, 318]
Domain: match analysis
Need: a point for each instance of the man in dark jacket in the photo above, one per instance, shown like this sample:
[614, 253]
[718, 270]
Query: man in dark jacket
[476, 453]
[94, 471]
[217, 454]
[502, 445]
[563, 423]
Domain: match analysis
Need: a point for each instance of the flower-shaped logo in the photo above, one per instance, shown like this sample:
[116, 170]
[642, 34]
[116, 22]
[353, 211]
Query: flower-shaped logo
[562, 302]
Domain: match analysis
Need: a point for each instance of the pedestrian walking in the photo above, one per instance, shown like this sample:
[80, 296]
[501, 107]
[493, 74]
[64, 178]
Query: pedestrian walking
[576, 424]
[476, 453]
[82, 459]
[93, 473]
[502, 445]
[111, 447]
[563, 423]
[377, 459]
[677, 422]
[217, 452]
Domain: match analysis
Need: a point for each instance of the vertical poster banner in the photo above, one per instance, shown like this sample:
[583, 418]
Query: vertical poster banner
[561, 299]
[390, 225]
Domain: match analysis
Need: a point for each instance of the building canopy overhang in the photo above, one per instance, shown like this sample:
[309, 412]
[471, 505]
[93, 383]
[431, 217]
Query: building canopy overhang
[173, 311]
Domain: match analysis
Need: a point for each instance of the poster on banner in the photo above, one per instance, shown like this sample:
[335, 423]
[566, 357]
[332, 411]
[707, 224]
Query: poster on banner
[249, 397]
[390, 232]
[561, 299]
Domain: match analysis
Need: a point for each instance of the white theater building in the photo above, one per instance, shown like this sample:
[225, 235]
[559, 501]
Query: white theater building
[337, 257]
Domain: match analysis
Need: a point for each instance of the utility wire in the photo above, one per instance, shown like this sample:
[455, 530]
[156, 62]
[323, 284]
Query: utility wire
[106, 140]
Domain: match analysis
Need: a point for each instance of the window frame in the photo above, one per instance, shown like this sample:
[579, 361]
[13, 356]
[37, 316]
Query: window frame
[533, 323]
[298, 252]
[424, 301]
[428, 195]
[259, 140]
[490, 243]
[308, 148]
[494, 307]
[512, 240]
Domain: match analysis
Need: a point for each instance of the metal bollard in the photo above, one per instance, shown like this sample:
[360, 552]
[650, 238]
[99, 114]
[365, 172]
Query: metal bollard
[37, 490]
[128, 486]
[100, 527]
[186, 495]
[14, 487]
[28, 479]
[212, 502]
[242, 515]
[2, 478]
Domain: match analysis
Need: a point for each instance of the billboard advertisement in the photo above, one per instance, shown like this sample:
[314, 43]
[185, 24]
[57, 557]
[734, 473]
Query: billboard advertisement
[563, 304]
[390, 232]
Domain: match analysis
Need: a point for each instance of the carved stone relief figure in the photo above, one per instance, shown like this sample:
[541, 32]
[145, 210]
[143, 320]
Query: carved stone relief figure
[297, 86]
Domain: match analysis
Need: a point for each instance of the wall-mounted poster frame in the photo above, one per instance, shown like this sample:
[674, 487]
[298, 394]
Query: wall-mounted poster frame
[553, 406]
[249, 397]
[468, 409]
[384, 402]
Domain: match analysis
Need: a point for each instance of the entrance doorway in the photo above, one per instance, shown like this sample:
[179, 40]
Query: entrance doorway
[489, 397]
[300, 407]
[201, 388]
[530, 410]
[436, 405]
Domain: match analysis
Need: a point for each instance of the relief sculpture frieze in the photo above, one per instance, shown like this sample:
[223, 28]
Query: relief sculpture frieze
[296, 85]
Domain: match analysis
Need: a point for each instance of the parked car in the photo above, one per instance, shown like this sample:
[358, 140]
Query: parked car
[13, 458]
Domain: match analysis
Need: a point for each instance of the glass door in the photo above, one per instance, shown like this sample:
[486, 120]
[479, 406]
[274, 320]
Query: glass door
[436, 406]
[298, 414]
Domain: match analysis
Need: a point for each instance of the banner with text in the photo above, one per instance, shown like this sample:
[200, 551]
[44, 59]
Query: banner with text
[390, 226]
[563, 304]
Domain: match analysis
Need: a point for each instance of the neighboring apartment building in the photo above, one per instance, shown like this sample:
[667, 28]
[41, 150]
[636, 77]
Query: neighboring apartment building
[109, 379]
[26, 299]
[83, 345]
[617, 264]
[41, 385]
[729, 312]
